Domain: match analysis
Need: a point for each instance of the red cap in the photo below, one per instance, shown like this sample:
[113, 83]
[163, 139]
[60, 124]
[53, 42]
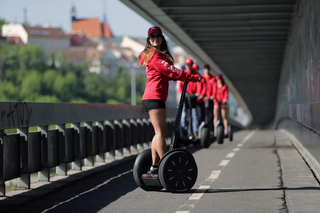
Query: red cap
[195, 66]
[219, 76]
[189, 62]
[154, 29]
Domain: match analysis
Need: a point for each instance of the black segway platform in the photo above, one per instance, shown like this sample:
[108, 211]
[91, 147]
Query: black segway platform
[177, 170]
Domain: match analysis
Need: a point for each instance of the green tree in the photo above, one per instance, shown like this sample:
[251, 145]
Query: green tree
[31, 86]
[2, 22]
[8, 91]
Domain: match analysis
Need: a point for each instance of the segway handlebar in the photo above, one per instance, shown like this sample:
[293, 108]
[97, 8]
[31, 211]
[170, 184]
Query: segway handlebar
[174, 143]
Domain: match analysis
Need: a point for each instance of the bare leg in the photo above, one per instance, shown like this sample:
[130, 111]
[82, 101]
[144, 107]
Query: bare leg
[215, 114]
[158, 146]
[225, 121]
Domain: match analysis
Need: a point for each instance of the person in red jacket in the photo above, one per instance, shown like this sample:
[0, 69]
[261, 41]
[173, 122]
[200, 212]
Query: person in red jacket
[193, 91]
[221, 94]
[210, 82]
[160, 70]
[201, 94]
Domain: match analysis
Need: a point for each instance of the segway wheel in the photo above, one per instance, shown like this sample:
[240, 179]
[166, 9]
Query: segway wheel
[142, 166]
[204, 137]
[220, 134]
[230, 134]
[178, 171]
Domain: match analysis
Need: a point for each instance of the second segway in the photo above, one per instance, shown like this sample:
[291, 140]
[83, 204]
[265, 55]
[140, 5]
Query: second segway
[178, 170]
[219, 128]
[206, 126]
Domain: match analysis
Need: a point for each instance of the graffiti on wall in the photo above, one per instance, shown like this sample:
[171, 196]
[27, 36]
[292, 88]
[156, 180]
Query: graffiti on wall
[299, 88]
[18, 114]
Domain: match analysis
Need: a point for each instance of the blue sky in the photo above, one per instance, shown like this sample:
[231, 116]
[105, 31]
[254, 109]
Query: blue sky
[122, 20]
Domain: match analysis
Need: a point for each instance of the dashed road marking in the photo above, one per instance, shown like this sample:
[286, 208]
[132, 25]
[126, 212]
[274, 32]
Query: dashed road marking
[198, 193]
[214, 175]
[230, 155]
[224, 163]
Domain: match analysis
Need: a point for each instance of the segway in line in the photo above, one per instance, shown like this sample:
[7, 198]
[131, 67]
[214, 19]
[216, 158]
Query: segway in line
[177, 171]
[188, 137]
[219, 128]
[206, 126]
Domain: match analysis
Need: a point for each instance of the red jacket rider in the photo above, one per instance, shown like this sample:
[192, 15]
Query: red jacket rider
[221, 93]
[159, 73]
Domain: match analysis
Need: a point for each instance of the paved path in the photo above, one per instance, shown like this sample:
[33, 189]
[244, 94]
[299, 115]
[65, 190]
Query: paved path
[260, 171]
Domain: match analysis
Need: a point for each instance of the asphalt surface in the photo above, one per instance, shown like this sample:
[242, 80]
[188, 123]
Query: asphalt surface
[260, 171]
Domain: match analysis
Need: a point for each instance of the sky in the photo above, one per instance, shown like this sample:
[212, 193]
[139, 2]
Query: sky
[122, 20]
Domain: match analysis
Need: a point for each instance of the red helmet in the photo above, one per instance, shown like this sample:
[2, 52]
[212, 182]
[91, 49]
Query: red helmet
[195, 66]
[189, 62]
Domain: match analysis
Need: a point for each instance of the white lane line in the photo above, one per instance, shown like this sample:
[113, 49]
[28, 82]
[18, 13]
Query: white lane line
[230, 155]
[247, 137]
[224, 163]
[198, 193]
[182, 211]
[240, 145]
[214, 175]
[236, 149]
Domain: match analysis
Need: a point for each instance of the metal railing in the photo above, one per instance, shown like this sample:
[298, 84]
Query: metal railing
[63, 135]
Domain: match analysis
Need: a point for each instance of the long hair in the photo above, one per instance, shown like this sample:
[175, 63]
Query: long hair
[148, 55]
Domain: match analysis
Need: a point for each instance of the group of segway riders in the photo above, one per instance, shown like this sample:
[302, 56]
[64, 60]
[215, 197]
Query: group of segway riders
[211, 89]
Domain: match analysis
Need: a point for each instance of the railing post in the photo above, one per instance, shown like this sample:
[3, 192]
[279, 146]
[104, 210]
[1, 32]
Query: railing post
[101, 156]
[77, 164]
[126, 137]
[24, 180]
[110, 135]
[118, 137]
[89, 161]
[62, 168]
[44, 174]
[139, 134]
[134, 132]
[147, 132]
[2, 180]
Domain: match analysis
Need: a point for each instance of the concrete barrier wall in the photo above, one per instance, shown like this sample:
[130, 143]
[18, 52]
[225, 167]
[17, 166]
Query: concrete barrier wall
[66, 135]
[298, 101]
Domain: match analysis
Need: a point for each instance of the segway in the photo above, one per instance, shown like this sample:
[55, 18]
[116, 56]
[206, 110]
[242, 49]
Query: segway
[206, 126]
[219, 128]
[177, 171]
[189, 137]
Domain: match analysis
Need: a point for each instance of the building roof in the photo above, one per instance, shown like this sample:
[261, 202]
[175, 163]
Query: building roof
[81, 40]
[76, 54]
[91, 27]
[45, 32]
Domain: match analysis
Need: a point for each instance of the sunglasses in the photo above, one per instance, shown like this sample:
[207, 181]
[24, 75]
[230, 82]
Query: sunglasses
[155, 36]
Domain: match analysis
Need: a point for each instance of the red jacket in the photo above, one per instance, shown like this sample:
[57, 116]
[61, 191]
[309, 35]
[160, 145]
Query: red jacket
[221, 94]
[159, 73]
[210, 83]
[193, 87]
[202, 90]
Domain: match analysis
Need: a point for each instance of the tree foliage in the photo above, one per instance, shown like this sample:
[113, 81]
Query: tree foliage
[26, 76]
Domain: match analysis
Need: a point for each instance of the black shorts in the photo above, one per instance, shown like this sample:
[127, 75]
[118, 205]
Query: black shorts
[153, 104]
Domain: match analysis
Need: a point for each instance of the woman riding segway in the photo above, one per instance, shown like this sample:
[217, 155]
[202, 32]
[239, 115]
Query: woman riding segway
[159, 69]
[220, 103]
